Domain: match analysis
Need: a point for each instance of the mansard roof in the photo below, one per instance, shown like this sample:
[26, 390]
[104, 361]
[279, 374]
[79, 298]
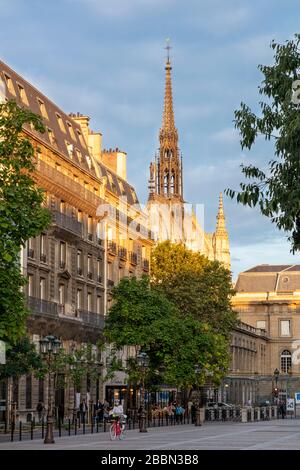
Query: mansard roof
[63, 134]
[269, 278]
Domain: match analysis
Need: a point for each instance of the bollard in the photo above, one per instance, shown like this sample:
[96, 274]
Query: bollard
[75, 428]
[104, 427]
[43, 428]
[20, 430]
[83, 425]
[198, 417]
[97, 426]
[252, 414]
[244, 415]
[31, 429]
[92, 426]
[12, 431]
[69, 427]
[59, 427]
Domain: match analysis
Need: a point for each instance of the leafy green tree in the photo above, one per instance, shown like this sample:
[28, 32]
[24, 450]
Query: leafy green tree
[21, 213]
[168, 260]
[22, 358]
[143, 318]
[275, 189]
[197, 286]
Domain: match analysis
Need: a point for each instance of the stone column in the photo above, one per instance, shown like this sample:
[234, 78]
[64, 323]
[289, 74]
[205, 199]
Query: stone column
[244, 415]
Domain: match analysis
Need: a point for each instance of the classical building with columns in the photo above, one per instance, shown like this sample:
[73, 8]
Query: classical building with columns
[267, 301]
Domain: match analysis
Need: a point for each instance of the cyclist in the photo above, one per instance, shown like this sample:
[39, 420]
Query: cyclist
[118, 412]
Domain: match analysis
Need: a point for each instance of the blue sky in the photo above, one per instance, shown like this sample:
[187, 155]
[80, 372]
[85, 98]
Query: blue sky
[105, 58]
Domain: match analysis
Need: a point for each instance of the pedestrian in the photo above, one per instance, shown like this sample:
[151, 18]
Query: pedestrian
[193, 412]
[99, 411]
[40, 408]
[282, 409]
[83, 409]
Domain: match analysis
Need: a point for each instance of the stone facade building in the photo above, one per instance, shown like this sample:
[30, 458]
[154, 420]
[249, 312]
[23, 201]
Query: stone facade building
[97, 236]
[268, 301]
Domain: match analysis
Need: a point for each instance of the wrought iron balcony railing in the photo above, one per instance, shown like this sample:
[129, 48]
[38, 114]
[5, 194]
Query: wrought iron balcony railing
[112, 247]
[67, 223]
[42, 307]
[91, 318]
[133, 257]
[146, 264]
[122, 252]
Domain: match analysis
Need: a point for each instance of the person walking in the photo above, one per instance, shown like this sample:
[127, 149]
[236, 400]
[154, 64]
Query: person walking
[83, 409]
[40, 408]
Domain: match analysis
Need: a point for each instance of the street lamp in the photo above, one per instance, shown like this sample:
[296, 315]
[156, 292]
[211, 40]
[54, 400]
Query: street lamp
[276, 375]
[49, 347]
[198, 370]
[143, 363]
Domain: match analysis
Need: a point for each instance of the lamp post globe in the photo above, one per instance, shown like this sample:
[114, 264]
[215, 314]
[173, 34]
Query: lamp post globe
[49, 347]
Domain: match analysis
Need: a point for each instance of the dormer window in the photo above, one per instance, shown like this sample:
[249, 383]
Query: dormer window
[60, 122]
[71, 130]
[81, 139]
[42, 108]
[70, 149]
[51, 136]
[22, 94]
[9, 84]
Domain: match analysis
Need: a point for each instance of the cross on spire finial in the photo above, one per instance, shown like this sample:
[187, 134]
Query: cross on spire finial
[168, 47]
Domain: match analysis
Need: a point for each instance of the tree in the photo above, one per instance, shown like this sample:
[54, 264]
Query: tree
[168, 260]
[21, 213]
[21, 359]
[143, 318]
[197, 286]
[276, 189]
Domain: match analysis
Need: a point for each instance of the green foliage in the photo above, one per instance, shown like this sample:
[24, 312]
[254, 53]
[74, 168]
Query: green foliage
[21, 213]
[276, 189]
[21, 359]
[143, 318]
[197, 286]
[169, 260]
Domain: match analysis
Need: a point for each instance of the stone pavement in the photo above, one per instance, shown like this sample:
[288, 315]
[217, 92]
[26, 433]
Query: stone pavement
[277, 434]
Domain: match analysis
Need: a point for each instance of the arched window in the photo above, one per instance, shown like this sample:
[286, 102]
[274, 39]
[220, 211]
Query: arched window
[172, 183]
[285, 361]
[166, 182]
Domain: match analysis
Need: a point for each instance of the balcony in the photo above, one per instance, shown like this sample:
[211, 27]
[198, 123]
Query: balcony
[112, 247]
[90, 275]
[91, 318]
[79, 271]
[110, 283]
[43, 258]
[146, 264]
[90, 237]
[30, 253]
[66, 182]
[122, 252]
[62, 265]
[99, 241]
[42, 307]
[133, 257]
[67, 223]
[99, 279]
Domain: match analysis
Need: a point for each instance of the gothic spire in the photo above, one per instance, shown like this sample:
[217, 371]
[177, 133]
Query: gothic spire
[168, 123]
[221, 225]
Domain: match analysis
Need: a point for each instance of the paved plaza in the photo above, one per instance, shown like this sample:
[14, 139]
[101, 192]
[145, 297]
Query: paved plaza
[276, 434]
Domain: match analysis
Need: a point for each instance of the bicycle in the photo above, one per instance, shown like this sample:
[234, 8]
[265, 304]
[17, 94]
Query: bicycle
[117, 429]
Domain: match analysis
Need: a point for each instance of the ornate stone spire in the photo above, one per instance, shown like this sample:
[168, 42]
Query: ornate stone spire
[168, 129]
[221, 224]
[221, 239]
